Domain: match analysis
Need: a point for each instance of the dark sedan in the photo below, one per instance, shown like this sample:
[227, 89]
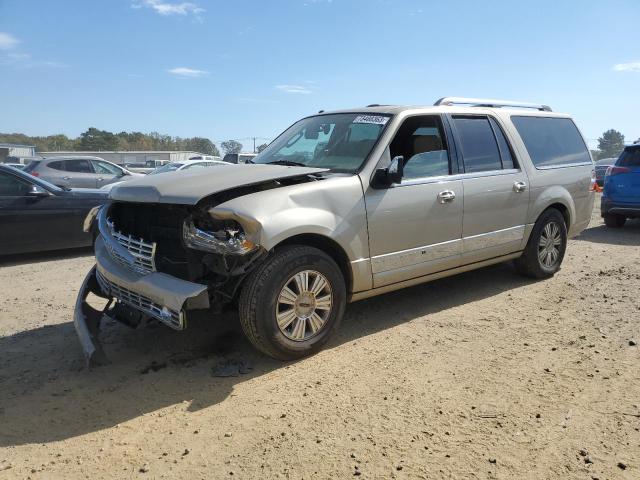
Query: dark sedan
[36, 215]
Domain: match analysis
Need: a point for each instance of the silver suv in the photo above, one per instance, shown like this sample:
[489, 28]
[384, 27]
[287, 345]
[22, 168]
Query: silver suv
[79, 172]
[340, 207]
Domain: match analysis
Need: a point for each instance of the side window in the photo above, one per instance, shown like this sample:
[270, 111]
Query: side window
[11, 186]
[505, 150]
[59, 165]
[105, 168]
[79, 166]
[480, 151]
[421, 141]
[551, 141]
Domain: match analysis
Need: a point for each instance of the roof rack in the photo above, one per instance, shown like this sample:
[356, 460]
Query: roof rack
[488, 102]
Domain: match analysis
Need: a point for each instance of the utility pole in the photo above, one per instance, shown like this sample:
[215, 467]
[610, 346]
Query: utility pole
[254, 144]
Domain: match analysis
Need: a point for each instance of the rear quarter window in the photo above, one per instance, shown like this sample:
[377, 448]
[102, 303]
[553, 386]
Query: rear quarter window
[551, 142]
[58, 165]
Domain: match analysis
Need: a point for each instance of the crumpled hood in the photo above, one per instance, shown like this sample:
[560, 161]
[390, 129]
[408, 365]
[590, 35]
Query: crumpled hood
[188, 187]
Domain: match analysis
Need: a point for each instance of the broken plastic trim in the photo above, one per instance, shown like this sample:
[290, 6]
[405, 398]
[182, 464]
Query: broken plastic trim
[86, 321]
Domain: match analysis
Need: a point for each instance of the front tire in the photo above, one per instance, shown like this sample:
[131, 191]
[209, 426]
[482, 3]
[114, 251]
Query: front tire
[612, 220]
[545, 249]
[293, 302]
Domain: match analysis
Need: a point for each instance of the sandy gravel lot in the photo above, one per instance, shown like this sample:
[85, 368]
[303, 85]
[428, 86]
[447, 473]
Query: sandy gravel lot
[483, 375]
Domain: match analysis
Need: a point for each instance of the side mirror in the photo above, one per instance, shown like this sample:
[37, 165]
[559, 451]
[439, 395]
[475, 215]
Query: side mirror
[385, 177]
[37, 191]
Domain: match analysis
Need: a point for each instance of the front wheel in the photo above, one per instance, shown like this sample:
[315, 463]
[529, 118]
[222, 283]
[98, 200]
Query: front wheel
[291, 304]
[545, 249]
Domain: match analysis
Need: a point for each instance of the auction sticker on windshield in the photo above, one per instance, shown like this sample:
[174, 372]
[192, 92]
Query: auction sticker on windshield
[375, 119]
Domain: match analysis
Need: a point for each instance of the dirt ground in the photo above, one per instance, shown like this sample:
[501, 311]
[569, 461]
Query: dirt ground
[483, 375]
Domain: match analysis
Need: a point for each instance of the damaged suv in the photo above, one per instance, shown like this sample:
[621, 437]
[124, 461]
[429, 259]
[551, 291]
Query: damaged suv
[342, 206]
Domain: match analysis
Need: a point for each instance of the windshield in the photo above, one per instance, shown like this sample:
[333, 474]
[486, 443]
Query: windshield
[340, 142]
[169, 167]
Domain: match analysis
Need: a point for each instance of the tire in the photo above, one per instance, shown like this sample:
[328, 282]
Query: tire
[312, 318]
[612, 220]
[542, 257]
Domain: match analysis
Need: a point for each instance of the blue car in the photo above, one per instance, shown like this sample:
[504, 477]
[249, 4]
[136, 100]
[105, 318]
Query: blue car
[621, 194]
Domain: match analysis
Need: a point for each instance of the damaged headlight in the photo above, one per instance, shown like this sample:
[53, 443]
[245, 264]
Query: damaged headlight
[230, 239]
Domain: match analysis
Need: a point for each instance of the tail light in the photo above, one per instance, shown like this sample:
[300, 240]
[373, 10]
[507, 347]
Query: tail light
[35, 174]
[611, 171]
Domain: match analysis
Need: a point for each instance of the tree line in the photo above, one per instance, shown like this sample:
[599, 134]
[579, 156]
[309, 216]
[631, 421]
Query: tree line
[610, 145]
[101, 140]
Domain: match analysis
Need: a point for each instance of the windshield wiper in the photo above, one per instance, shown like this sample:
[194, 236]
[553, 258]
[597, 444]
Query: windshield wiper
[287, 163]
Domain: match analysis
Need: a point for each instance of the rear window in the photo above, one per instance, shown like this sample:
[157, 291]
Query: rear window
[630, 157]
[551, 142]
[59, 165]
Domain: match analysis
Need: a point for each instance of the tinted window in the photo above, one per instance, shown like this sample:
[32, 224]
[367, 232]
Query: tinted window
[551, 141]
[420, 140]
[630, 157]
[479, 148]
[80, 166]
[59, 165]
[505, 151]
[11, 186]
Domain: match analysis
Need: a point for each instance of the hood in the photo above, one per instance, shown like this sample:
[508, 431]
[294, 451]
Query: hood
[188, 187]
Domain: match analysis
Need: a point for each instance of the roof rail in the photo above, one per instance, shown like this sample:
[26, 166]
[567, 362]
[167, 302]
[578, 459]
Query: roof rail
[488, 102]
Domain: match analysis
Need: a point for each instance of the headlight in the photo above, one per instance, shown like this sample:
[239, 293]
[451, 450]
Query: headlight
[229, 240]
[88, 220]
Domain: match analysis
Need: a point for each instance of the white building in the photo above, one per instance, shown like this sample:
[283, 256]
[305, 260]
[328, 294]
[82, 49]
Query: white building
[17, 151]
[122, 157]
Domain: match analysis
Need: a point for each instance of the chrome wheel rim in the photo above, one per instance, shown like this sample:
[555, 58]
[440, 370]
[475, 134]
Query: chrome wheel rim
[549, 245]
[304, 305]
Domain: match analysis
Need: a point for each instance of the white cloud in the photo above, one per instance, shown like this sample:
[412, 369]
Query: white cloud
[627, 67]
[7, 42]
[298, 89]
[184, 72]
[168, 8]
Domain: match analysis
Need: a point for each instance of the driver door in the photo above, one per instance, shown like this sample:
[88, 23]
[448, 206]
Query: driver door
[106, 173]
[415, 227]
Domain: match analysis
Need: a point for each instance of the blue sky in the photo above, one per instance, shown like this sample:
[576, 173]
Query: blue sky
[236, 69]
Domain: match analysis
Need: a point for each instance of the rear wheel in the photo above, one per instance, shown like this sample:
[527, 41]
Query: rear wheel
[547, 244]
[614, 221]
[290, 305]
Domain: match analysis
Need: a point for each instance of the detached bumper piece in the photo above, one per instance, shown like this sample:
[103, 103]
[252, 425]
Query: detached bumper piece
[154, 295]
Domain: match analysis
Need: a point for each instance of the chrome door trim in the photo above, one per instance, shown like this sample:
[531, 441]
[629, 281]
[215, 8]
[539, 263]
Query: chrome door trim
[494, 238]
[457, 176]
[415, 256]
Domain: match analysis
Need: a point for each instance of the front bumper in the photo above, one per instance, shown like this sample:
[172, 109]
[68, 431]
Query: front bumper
[154, 295]
[618, 208]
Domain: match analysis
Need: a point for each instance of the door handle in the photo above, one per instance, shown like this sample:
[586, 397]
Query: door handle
[446, 196]
[66, 178]
[519, 187]
[100, 179]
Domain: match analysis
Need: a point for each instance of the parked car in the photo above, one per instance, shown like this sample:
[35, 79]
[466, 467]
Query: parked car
[78, 172]
[601, 169]
[239, 157]
[36, 215]
[187, 165]
[205, 157]
[621, 195]
[342, 206]
[145, 167]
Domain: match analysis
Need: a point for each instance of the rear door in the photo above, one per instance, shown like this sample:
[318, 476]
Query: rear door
[415, 227]
[80, 173]
[496, 190]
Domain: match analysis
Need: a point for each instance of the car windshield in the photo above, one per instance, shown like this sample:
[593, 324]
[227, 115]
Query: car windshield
[340, 142]
[169, 167]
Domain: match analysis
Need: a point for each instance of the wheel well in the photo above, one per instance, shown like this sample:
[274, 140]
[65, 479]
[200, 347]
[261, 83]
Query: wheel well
[328, 246]
[564, 211]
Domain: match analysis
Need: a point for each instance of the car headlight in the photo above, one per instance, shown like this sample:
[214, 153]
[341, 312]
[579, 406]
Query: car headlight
[230, 239]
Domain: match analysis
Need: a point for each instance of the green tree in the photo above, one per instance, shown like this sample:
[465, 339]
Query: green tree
[261, 147]
[595, 154]
[231, 146]
[610, 144]
[202, 145]
[97, 140]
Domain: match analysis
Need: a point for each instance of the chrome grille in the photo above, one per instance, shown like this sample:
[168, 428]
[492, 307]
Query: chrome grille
[143, 252]
[171, 318]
